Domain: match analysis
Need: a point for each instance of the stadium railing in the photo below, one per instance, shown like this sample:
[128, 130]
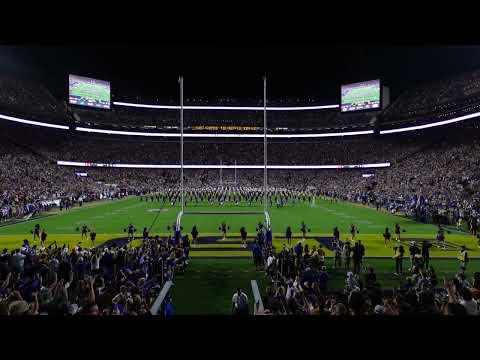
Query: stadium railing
[158, 302]
[258, 303]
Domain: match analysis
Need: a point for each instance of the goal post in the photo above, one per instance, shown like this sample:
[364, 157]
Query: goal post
[265, 212]
[178, 223]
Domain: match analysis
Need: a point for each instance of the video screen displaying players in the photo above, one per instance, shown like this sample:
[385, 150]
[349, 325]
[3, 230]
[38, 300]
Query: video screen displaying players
[88, 92]
[361, 96]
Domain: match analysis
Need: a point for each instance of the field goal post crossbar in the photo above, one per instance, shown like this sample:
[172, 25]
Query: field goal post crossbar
[178, 222]
[265, 178]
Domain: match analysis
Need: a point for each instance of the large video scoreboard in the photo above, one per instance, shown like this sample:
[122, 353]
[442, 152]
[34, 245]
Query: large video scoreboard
[361, 96]
[88, 92]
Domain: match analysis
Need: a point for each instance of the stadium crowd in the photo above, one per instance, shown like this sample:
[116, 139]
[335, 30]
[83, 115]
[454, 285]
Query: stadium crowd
[431, 179]
[300, 284]
[41, 279]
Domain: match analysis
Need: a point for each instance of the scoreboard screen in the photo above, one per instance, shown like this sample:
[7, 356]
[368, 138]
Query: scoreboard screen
[361, 96]
[88, 92]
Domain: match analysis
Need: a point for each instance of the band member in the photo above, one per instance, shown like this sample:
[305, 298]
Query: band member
[131, 232]
[426, 253]
[441, 236]
[194, 233]
[463, 257]
[288, 235]
[43, 237]
[303, 229]
[399, 251]
[93, 237]
[386, 236]
[397, 232]
[414, 251]
[223, 229]
[338, 258]
[84, 232]
[353, 231]
[243, 234]
[336, 237]
[36, 232]
[474, 226]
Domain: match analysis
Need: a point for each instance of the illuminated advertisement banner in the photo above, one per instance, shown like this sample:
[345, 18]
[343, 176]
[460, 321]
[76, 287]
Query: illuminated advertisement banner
[257, 167]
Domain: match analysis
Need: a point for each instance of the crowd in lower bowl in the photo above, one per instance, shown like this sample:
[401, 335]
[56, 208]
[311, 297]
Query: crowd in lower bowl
[299, 284]
[107, 280]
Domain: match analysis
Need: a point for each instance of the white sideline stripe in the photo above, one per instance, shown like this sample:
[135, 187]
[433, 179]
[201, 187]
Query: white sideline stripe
[31, 122]
[285, 136]
[272, 167]
[240, 108]
[426, 126]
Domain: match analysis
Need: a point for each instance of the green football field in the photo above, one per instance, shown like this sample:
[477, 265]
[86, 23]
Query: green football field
[110, 218]
[219, 266]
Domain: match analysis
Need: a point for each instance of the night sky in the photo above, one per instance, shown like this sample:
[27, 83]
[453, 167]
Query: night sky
[316, 71]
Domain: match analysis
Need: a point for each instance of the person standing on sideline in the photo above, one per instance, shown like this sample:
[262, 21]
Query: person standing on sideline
[356, 258]
[386, 236]
[463, 257]
[441, 237]
[303, 229]
[353, 231]
[36, 232]
[397, 232]
[288, 235]
[239, 303]
[362, 251]
[336, 237]
[43, 237]
[194, 234]
[399, 251]
[145, 234]
[426, 253]
[243, 234]
[347, 255]
[414, 251]
[93, 236]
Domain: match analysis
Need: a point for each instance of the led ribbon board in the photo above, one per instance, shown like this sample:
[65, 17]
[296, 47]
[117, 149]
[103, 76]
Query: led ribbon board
[260, 167]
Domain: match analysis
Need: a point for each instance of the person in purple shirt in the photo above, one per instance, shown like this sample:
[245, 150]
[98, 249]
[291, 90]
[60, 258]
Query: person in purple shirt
[323, 279]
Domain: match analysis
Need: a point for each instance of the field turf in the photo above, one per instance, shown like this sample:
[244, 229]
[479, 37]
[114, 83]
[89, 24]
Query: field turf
[110, 218]
[217, 267]
[207, 286]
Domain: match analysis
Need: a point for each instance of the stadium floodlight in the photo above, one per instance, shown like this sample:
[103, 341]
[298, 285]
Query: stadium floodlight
[237, 108]
[31, 122]
[286, 136]
[250, 167]
[430, 125]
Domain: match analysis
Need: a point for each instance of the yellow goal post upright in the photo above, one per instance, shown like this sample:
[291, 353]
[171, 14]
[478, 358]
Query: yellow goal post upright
[265, 213]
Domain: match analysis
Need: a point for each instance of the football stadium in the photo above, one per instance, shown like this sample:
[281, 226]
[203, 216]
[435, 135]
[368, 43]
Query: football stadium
[136, 198]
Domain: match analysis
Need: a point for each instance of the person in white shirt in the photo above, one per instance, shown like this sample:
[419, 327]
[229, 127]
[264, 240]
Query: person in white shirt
[239, 303]
[19, 260]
